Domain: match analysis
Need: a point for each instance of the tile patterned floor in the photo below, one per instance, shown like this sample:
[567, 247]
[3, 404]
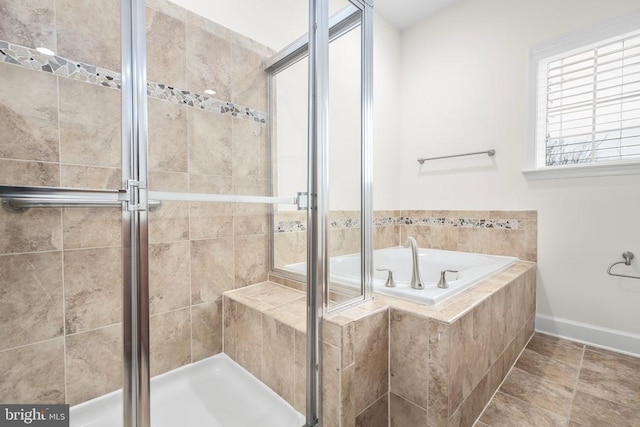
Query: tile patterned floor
[561, 383]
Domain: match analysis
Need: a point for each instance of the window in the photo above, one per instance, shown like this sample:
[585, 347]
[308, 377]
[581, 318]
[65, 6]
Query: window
[587, 107]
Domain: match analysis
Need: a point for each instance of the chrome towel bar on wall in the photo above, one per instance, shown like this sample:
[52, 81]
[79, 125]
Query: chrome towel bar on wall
[489, 153]
[628, 256]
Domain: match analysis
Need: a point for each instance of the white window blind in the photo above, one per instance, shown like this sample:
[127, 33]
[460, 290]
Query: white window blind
[588, 108]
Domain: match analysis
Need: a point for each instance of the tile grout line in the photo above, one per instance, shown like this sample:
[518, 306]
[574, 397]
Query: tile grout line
[62, 248]
[590, 394]
[30, 344]
[64, 309]
[575, 384]
[188, 204]
[29, 253]
[369, 407]
[505, 378]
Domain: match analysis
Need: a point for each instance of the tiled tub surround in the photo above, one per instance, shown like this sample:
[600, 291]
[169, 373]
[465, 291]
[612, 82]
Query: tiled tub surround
[447, 376]
[60, 311]
[392, 362]
[511, 233]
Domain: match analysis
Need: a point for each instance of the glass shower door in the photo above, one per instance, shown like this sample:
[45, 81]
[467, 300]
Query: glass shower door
[60, 184]
[94, 275]
[209, 243]
[349, 149]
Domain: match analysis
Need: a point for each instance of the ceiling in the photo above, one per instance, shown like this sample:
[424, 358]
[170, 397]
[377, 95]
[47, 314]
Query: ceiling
[404, 13]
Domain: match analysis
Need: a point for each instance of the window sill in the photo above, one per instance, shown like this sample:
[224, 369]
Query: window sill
[583, 171]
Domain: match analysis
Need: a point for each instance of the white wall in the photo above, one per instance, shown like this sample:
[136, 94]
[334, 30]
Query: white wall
[344, 120]
[344, 125]
[465, 88]
[274, 23]
[291, 131]
[386, 115]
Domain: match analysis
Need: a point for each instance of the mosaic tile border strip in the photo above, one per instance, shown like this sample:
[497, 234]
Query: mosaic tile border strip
[290, 227]
[502, 224]
[32, 59]
[297, 226]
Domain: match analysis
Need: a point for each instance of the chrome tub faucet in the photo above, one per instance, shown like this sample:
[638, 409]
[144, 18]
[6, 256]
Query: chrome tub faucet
[416, 277]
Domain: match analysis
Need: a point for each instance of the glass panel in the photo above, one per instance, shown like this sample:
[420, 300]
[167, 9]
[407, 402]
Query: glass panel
[60, 268]
[290, 173]
[345, 158]
[209, 261]
[290, 136]
[289, 98]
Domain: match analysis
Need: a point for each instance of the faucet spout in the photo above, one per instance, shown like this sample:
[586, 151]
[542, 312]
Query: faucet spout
[416, 277]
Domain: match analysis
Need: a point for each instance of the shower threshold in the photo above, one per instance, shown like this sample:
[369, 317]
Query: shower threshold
[215, 392]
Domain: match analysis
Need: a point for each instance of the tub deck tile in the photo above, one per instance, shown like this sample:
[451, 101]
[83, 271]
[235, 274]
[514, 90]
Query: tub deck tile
[460, 304]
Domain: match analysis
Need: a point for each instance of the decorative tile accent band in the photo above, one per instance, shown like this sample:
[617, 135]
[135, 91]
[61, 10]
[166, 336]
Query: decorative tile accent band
[297, 226]
[504, 224]
[345, 223]
[290, 227]
[57, 65]
[30, 58]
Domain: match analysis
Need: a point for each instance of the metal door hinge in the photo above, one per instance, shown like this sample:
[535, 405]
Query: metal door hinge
[131, 195]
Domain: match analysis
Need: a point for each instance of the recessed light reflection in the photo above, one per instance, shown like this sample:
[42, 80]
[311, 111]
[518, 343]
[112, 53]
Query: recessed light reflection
[210, 92]
[45, 51]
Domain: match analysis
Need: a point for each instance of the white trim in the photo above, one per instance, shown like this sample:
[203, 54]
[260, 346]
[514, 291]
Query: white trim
[604, 30]
[583, 170]
[596, 336]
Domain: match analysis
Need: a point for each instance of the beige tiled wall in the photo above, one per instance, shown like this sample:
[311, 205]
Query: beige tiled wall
[464, 231]
[518, 239]
[60, 311]
[291, 247]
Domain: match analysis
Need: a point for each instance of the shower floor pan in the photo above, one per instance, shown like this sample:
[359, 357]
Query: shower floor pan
[215, 392]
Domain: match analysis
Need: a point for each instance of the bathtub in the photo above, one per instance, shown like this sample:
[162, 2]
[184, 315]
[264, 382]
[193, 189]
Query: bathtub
[472, 268]
[215, 392]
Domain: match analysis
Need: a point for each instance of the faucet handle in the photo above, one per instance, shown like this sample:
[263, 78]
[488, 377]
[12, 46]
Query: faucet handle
[390, 283]
[442, 284]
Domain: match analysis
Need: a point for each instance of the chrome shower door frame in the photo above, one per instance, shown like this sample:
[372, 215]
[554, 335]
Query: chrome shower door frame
[316, 45]
[359, 14]
[135, 244]
[136, 390]
[318, 204]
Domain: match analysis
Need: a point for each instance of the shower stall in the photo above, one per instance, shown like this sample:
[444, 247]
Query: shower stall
[146, 156]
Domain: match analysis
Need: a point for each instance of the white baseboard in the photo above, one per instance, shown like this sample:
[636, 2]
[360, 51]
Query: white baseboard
[596, 336]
